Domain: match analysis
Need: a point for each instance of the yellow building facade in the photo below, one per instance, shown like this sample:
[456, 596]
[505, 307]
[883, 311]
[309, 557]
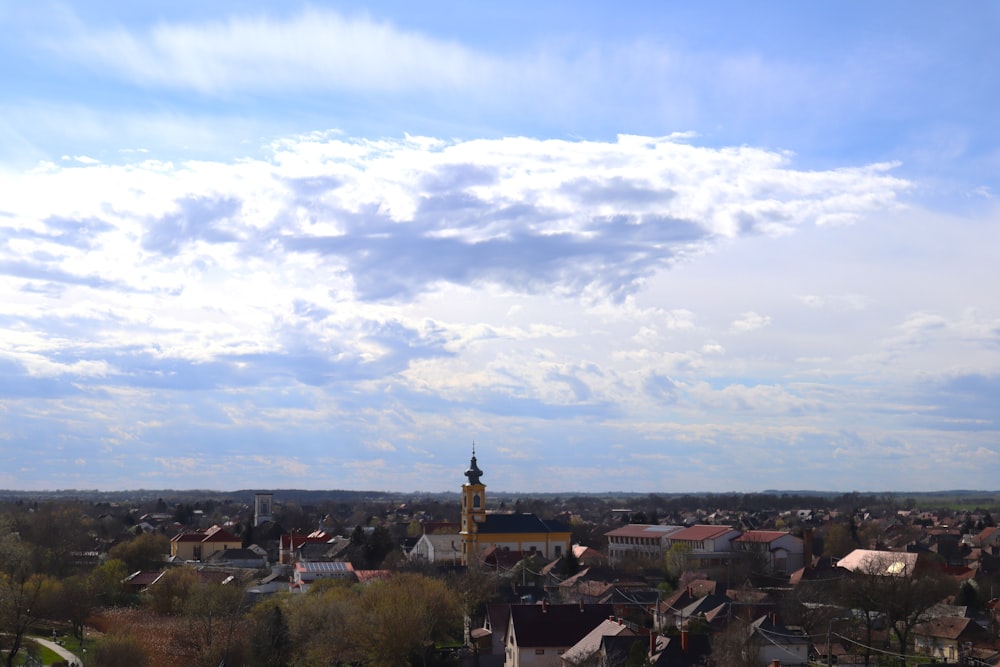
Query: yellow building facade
[526, 533]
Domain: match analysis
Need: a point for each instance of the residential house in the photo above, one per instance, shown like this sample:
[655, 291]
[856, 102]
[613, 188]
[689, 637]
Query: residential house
[945, 637]
[586, 652]
[491, 639]
[682, 650]
[886, 563]
[539, 634]
[333, 549]
[669, 610]
[200, 544]
[780, 553]
[139, 581]
[778, 644]
[290, 543]
[587, 556]
[987, 539]
[439, 549]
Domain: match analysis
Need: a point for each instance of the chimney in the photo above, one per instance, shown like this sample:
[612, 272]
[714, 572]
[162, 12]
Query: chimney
[581, 605]
[652, 642]
[775, 663]
[545, 606]
[684, 640]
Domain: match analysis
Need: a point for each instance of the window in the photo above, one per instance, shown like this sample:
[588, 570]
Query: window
[558, 551]
[539, 651]
[476, 501]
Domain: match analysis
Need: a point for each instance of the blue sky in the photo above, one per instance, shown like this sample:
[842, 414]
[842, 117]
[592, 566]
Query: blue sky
[655, 247]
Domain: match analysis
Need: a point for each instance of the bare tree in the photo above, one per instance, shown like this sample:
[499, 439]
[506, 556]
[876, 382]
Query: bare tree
[736, 646]
[895, 588]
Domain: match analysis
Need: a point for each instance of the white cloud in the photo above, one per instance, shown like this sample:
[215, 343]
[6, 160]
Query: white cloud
[750, 322]
[406, 291]
[315, 48]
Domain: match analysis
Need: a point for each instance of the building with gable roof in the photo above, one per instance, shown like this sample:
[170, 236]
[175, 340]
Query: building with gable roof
[777, 644]
[522, 532]
[780, 552]
[539, 634]
[586, 651]
[638, 540]
[885, 563]
[438, 549]
[945, 637]
[706, 547]
[200, 544]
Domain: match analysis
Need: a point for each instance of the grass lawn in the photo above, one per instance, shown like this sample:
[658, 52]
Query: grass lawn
[49, 657]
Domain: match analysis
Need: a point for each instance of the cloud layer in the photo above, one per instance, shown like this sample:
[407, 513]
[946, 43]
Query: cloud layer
[629, 249]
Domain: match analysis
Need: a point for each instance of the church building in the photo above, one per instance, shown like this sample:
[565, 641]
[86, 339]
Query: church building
[505, 531]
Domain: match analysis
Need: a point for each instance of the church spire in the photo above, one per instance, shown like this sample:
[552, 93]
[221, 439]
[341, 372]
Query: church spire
[474, 473]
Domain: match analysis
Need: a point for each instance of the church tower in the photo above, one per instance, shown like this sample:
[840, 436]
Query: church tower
[262, 504]
[473, 508]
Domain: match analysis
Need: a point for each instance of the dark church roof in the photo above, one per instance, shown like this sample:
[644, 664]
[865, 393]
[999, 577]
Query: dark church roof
[519, 523]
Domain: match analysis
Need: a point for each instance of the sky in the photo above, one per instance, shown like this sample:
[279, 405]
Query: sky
[648, 247]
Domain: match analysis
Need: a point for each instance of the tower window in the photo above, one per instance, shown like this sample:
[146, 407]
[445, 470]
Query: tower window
[476, 501]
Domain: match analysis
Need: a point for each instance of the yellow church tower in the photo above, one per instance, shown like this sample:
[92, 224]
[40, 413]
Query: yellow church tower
[473, 508]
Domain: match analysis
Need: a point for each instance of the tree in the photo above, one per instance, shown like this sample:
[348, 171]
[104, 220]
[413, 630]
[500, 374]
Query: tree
[19, 592]
[79, 598]
[318, 623]
[900, 589]
[144, 552]
[211, 611]
[171, 591]
[676, 559]
[473, 589]
[736, 646]
[105, 581]
[838, 541]
[398, 620]
[271, 641]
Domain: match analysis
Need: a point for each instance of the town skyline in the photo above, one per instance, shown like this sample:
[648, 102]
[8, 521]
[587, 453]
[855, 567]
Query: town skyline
[725, 249]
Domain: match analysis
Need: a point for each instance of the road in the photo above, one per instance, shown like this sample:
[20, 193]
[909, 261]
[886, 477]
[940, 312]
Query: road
[68, 656]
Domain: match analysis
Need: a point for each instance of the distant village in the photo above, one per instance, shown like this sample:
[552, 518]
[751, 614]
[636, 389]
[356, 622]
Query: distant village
[489, 582]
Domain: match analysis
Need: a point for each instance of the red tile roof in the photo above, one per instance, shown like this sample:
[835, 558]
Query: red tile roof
[213, 534]
[643, 530]
[761, 536]
[699, 533]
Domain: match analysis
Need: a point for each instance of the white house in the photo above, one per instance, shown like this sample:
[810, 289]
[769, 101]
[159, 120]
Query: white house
[443, 549]
[780, 552]
[539, 634]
